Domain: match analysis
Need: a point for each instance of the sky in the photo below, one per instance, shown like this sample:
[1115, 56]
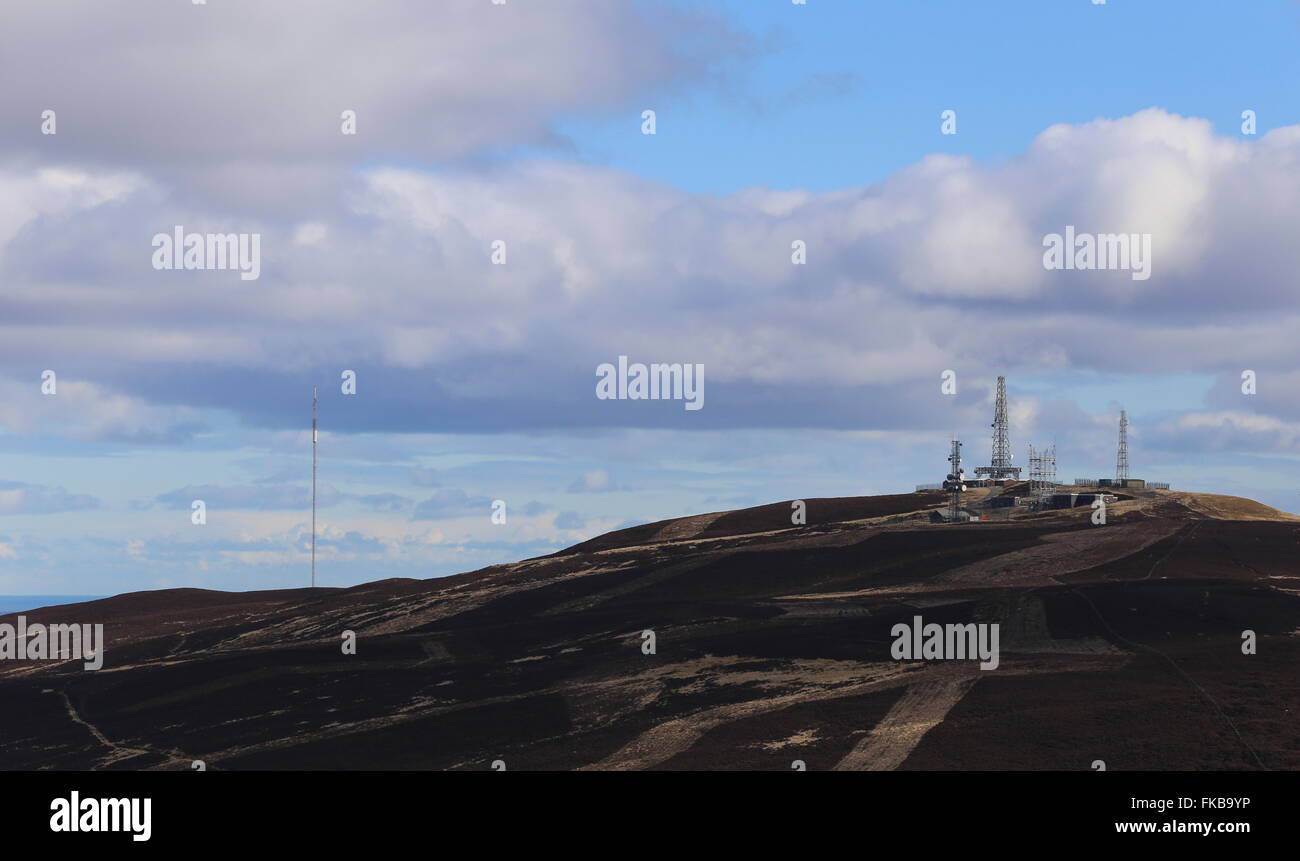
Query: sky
[498, 224]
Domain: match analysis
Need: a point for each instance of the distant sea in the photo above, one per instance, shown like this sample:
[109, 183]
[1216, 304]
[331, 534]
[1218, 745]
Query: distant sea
[21, 603]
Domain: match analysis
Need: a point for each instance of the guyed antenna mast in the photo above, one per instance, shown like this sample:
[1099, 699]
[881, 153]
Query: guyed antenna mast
[313, 487]
[1121, 456]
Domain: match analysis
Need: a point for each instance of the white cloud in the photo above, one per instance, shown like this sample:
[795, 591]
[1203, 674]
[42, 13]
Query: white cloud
[310, 233]
[593, 481]
[87, 411]
[939, 266]
[1230, 430]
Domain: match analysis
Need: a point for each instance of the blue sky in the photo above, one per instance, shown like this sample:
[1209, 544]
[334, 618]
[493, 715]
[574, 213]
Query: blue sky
[775, 122]
[839, 93]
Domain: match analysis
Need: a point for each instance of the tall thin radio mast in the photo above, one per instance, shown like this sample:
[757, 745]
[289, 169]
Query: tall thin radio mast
[313, 487]
[1001, 459]
[1000, 464]
[1121, 456]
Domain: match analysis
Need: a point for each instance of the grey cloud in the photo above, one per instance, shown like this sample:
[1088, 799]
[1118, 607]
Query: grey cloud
[17, 497]
[595, 481]
[451, 502]
[258, 497]
[429, 81]
[384, 501]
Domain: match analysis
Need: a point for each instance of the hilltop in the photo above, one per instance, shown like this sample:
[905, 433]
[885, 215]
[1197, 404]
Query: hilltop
[1120, 642]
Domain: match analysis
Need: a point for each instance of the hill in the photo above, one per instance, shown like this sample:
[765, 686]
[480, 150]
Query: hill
[772, 643]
